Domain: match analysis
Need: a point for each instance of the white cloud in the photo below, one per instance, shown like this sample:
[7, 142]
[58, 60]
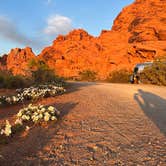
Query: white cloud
[58, 24]
[49, 2]
[9, 31]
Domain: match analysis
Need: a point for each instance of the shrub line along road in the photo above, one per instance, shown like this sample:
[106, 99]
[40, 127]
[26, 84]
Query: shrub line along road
[101, 124]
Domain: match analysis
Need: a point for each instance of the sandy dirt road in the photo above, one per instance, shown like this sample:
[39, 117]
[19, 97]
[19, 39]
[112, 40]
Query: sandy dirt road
[101, 124]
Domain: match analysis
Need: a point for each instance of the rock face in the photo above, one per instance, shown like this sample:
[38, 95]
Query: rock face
[72, 53]
[138, 35]
[17, 60]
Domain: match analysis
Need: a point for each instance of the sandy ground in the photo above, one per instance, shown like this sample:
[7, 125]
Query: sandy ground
[101, 124]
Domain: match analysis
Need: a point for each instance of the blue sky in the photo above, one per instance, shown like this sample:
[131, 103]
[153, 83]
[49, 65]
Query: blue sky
[36, 23]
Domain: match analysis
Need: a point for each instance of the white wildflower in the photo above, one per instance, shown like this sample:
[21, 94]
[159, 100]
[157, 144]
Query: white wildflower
[51, 108]
[27, 128]
[7, 131]
[53, 118]
[46, 116]
[18, 121]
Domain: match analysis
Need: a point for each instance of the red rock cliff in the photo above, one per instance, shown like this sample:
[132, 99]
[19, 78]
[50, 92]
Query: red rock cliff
[18, 59]
[138, 35]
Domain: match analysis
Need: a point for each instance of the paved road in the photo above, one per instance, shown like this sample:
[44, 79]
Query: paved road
[101, 124]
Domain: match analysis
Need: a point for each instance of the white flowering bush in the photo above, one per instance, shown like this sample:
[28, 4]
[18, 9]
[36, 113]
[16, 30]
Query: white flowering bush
[7, 129]
[37, 113]
[31, 113]
[32, 93]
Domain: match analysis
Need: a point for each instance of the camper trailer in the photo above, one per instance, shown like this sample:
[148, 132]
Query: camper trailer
[135, 77]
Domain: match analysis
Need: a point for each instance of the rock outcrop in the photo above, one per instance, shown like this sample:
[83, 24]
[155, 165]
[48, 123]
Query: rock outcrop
[72, 53]
[17, 60]
[137, 35]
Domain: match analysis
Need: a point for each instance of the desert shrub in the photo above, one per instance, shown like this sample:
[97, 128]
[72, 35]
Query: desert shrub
[88, 75]
[1, 81]
[120, 76]
[14, 82]
[31, 115]
[7, 80]
[31, 94]
[42, 74]
[155, 74]
[3, 76]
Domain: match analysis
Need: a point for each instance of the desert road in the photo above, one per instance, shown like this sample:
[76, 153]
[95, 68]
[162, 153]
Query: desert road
[101, 124]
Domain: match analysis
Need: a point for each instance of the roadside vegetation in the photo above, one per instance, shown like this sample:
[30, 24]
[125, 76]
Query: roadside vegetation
[120, 76]
[38, 73]
[40, 82]
[155, 74]
[87, 75]
[8, 80]
[41, 73]
[26, 118]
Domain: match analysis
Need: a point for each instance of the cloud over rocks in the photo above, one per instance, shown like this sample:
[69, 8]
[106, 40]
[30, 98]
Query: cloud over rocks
[9, 31]
[58, 24]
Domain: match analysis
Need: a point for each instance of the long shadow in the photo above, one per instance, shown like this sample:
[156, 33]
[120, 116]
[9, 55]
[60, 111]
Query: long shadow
[25, 148]
[76, 86]
[154, 108]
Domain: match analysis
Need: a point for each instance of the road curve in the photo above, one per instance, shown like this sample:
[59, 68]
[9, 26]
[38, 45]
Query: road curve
[101, 124]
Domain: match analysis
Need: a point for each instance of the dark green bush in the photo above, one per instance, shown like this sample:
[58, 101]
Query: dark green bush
[120, 76]
[7, 80]
[14, 82]
[42, 74]
[155, 74]
[87, 75]
[1, 81]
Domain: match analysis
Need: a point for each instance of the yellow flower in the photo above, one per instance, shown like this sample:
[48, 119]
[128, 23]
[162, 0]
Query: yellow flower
[7, 130]
[51, 108]
[46, 116]
[18, 121]
[19, 114]
[53, 118]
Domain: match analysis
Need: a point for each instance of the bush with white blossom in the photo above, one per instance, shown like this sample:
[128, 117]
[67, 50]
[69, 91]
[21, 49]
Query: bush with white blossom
[31, 113]
[31, 94]
[38, 113]
[7, 129]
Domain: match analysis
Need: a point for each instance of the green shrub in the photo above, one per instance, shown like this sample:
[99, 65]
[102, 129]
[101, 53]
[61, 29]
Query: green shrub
[155, 74]
[3, 76]
[7, 80]
[1, 81]
[120, 76]
[87, 75]
[42, 74]
[14, 82]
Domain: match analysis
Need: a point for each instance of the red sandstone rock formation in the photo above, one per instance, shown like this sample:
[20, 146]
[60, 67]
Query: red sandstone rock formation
[138, 35]
[17, 60]
[72, 53]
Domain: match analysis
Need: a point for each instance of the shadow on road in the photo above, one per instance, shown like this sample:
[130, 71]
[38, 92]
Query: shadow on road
[76, 86]
[35, 141]
[154, 108]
